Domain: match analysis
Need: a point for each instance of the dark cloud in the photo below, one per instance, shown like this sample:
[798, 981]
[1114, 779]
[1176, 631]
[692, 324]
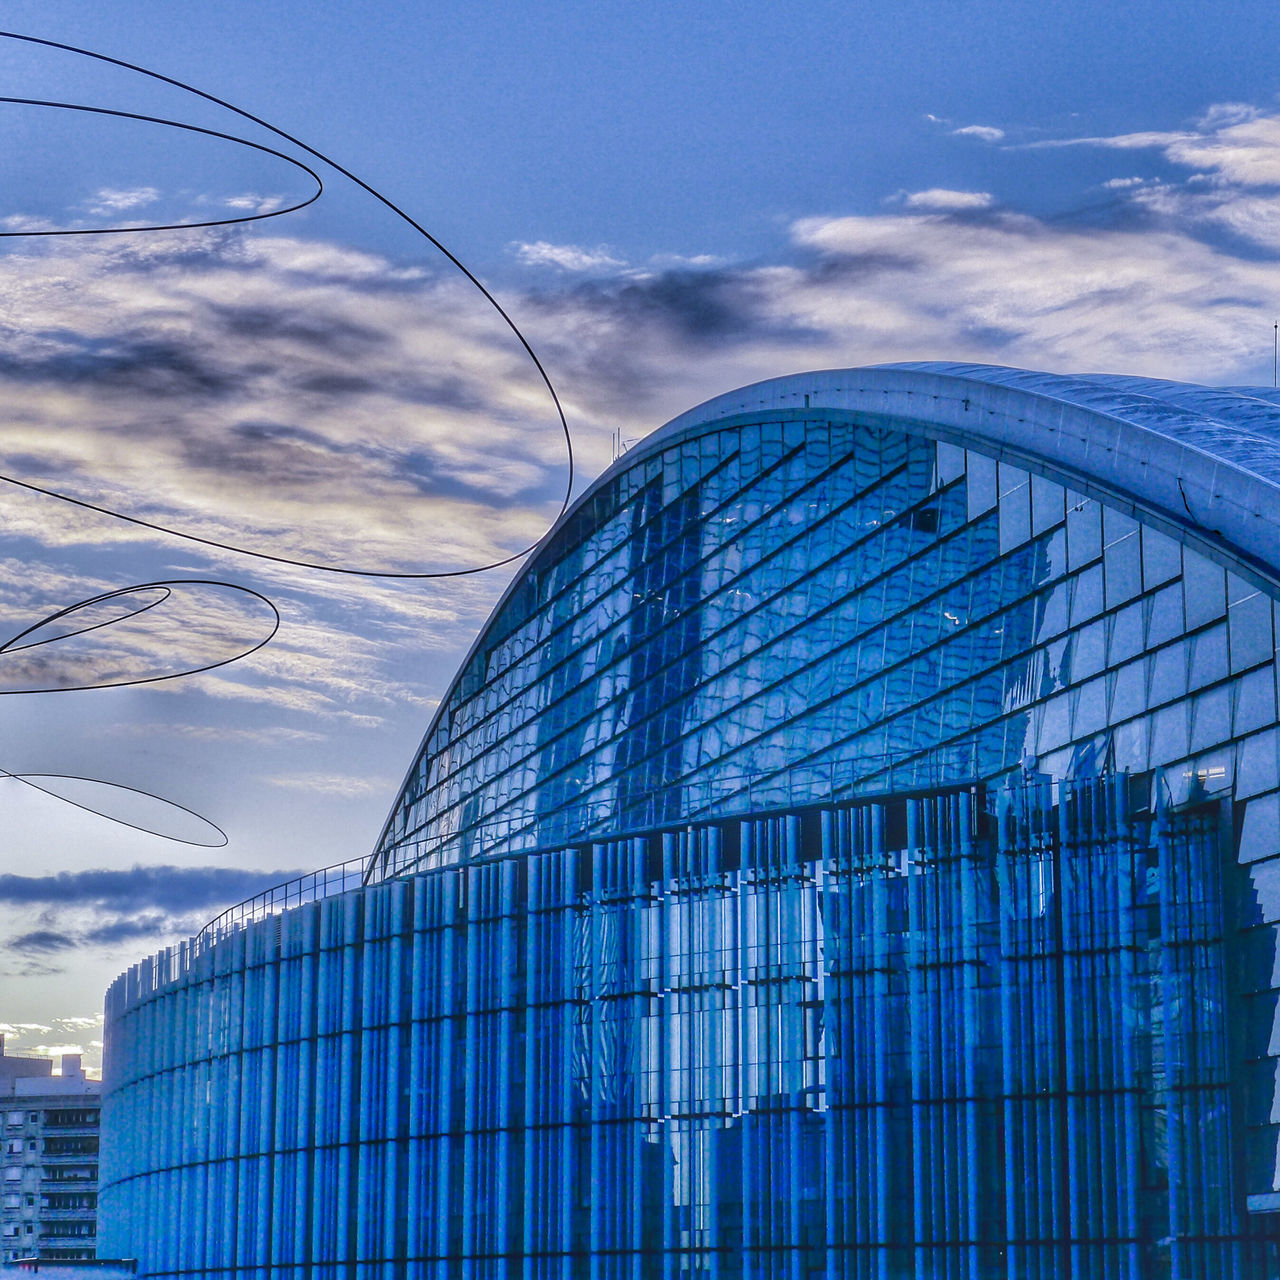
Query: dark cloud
[163, 888]
[43, 941]
[146, 367]
[711, 307]
[336, 384]
[322, 333]
[155, 925]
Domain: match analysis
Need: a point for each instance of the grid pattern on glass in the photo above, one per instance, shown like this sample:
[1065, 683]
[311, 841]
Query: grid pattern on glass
[790, 611]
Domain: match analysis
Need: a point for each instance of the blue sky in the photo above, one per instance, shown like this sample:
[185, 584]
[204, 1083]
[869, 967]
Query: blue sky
[671, 200]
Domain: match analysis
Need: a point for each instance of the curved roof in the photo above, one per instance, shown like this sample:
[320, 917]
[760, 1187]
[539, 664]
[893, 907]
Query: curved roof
[1203, 462]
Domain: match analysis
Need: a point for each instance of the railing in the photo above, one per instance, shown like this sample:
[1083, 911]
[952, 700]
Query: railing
[311, 887]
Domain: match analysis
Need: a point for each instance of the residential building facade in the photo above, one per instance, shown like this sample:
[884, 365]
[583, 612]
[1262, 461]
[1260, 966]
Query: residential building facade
[49, 1160]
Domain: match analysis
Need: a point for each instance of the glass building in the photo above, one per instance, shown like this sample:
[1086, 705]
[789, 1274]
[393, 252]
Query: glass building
[851, 848]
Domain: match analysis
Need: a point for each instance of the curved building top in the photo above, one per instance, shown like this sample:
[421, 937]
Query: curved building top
[1205, 458]
[737, 612]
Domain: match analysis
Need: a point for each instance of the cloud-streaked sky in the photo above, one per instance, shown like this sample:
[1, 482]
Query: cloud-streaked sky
[670, 200]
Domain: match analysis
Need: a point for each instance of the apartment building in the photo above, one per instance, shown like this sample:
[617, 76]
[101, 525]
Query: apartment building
[48, 1160]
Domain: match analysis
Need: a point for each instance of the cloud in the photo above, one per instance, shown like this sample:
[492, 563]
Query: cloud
[72, 1034]
[42, 941]
[1147, 286]
[172, 889]
[568, 257]
[142, 927]
[986, 132]
[1246, 153]
[945, 201]
[311, 401]
[109, 200]
[1232, 143]
[333, 784]
[139, 635]
[104, 910]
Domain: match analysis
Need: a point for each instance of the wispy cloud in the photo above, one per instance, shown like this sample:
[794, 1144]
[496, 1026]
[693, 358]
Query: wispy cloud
[944, 200]
[1231, 142]
[568, 257]
[334, 784]
[984, 132]
[108, 201]
[308, 400]
[43, 941]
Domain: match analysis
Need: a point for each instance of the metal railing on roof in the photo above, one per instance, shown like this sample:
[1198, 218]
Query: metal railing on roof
[311, 887]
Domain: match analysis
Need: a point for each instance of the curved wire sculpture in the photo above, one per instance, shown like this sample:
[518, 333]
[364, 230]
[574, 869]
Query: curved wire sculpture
[165, 588]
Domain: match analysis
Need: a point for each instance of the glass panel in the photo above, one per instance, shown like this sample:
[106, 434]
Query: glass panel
[1260, 834]
[1250, 623]
[1169, 673]
[1205, 588]
[1209, 658]
[1169, 734]
[950, 463]
[1084, 530]
[1129, 691]
[1263, 906]
[1126, 634]
[980, 485]
[1124, 570]
[1254, 697]
[1257, 768]
[1047, 504]
[1015, 513]
[1161, 558]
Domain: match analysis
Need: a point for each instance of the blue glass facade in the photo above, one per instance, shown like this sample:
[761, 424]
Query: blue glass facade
[852, 848]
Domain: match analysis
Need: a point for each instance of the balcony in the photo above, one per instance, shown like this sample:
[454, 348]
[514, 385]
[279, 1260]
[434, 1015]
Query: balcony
[77, 1176]
[89, 1152]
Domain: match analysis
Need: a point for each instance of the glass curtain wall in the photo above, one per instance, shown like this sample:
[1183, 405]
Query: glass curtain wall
[952, 1036]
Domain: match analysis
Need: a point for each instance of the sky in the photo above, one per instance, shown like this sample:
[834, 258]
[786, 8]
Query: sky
[670, 200]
